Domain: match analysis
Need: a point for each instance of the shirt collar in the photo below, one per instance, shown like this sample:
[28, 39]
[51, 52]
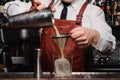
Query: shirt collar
[75, 4]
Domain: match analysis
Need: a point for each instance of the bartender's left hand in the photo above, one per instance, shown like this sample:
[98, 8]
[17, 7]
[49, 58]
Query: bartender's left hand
[83, 37]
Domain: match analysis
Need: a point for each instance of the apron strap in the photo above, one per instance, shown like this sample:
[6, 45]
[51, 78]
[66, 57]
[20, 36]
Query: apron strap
[51, 3]
[80, 14]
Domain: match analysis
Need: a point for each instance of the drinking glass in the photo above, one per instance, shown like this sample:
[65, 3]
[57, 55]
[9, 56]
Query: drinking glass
[62, 66]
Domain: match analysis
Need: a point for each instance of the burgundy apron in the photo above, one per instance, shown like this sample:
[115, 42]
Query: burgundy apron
[49, 46]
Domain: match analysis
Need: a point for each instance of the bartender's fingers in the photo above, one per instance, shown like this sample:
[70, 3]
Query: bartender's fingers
[41, 7]
[75, 29]
[35, 2]
[53, 9]
[77, 32]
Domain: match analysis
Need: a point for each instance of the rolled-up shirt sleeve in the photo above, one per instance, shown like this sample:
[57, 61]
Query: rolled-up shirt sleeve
[107, 41]
[16, 7]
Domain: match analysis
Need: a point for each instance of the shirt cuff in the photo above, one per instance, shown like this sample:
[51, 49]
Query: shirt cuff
[105, 44]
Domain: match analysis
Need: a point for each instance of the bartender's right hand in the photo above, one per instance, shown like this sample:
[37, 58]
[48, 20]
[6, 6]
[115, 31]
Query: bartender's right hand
[36, 4]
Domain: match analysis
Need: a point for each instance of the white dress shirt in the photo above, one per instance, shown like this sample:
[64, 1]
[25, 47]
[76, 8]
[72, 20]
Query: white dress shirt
[93, 18]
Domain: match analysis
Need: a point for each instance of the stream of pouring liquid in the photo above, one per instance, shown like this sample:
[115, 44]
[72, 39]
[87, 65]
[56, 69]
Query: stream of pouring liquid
[61, 62]
[59, 42]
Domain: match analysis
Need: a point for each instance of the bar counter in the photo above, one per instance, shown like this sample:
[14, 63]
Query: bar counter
[62, 79]
[75, 76]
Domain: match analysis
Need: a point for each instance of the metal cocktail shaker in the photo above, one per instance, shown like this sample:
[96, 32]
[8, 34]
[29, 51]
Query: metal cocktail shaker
[32, 19]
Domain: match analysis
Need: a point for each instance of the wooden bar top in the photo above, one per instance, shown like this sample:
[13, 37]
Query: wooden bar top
[75, 76]
[60, 79]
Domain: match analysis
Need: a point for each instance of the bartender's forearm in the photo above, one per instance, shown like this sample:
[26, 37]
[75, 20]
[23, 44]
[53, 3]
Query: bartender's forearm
[96, 37]
[101, 44]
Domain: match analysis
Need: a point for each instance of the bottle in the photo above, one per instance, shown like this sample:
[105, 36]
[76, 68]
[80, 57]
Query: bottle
[114, 20]
[100, 3]
[118, 12]
[102, 6]
[27, 1]
[115, 13]
[118, 8]
[1, 12]
[108, 12]
[1, 23]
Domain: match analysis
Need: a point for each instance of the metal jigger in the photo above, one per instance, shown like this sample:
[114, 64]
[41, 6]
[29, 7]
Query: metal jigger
[38, 72]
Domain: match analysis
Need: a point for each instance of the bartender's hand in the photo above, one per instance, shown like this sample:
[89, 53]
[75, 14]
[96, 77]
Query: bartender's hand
[83, 37]
[36, 4]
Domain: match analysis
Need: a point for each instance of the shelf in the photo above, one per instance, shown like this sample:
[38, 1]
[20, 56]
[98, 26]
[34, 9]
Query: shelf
[103, 67]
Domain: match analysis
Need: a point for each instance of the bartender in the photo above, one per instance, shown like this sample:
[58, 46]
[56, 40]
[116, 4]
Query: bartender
[84, 22]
